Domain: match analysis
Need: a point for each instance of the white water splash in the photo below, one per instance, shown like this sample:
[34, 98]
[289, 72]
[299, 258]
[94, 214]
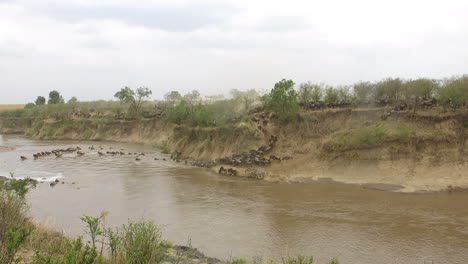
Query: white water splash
[40, 176]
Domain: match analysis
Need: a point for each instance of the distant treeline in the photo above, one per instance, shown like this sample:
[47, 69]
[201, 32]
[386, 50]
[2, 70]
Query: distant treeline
[286, 99]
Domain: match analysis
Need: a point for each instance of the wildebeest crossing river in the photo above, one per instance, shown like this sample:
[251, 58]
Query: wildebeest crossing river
[226, 216]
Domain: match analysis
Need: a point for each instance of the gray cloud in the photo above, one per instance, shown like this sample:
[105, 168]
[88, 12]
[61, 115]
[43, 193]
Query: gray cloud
[90, 50]
[177, 19]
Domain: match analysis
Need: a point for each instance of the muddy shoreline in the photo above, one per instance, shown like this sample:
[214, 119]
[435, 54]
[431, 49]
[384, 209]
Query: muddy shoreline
[274, 174]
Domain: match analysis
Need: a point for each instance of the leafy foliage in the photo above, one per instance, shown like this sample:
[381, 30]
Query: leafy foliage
[55, 98]
[133, 98]
[282, 99]
[40, 100]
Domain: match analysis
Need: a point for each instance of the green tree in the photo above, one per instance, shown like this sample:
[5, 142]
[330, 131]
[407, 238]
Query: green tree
[389, 90]
[282, 99]
[73, 100]
[55, 98]
[193, 98]
[454, 92]
[364, 92]
[40, 100]
[416, 90]
[304, 95]
[331, 95]
[173, 97]
[29, 106]
[133, 98]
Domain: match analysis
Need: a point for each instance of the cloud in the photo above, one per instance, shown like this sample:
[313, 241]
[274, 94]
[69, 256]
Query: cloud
[89, 49]
[172, 18]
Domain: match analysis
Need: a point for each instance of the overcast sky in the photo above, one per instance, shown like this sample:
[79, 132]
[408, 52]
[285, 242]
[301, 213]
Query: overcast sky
[91, 48]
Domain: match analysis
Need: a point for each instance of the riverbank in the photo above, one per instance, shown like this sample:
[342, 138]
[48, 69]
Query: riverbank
[373, 147]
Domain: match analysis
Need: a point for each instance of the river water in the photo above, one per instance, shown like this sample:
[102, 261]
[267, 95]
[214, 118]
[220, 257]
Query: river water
[224, 216]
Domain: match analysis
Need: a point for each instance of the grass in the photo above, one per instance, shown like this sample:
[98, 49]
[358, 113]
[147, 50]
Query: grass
[368, 137]
[163, 146]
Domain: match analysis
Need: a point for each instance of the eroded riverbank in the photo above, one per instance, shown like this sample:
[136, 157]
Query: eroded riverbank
[420, 153]
[225, 216]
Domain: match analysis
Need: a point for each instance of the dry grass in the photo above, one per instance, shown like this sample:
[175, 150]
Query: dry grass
[11, 106]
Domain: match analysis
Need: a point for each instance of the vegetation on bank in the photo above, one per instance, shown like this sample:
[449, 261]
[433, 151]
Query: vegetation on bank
[285, 99]
[137, 242]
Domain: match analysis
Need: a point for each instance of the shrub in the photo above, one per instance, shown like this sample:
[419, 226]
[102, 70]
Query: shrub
[282, 99]
[298, 260]
[29, 106]
[76, 253]
[14, 223]
[141, 243]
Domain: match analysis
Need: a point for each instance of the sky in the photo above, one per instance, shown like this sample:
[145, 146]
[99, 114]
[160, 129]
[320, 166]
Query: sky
[92, 48]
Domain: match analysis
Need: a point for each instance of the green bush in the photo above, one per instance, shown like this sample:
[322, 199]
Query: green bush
[14, 223]
[142, 243]
[282, 100]
[298, 260]
[76, 253]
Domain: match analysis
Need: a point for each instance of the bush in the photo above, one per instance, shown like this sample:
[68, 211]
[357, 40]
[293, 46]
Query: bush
[142, 243]
[298, 260]
[14, 223]
[282, 100]
[454, 93]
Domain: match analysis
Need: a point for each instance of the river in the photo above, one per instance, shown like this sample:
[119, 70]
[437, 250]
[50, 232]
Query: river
[224, 216]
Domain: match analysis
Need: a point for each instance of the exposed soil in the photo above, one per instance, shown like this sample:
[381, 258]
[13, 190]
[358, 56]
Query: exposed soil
[417, 152]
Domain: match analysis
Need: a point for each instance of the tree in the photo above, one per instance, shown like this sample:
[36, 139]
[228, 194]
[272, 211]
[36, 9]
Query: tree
[133, 98]
[454, 92]
[363, 91]
[193, 97]
[245, 98]
[416, 90]
[304, 95]
[389, 90]
[55, 98]
[40, 100]
[73, 100]
[29, 106]
[173, 97]
[282, 99]
[331, 95]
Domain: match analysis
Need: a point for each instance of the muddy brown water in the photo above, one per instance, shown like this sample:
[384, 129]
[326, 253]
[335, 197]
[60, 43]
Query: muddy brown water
[226, 217]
